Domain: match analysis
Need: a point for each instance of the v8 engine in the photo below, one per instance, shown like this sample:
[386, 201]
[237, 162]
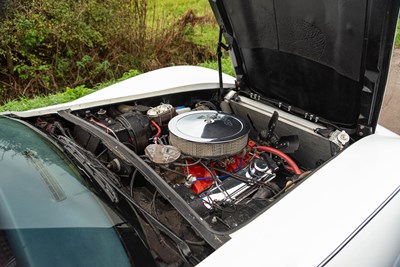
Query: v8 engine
[206, 155]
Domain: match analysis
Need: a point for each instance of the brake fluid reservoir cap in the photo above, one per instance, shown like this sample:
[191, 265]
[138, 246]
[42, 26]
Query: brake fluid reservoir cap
[160, 110]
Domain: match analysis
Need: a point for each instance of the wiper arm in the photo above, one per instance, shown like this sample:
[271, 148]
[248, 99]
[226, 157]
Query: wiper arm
[212, 237]
[92, 167]
[51, 183]
[111, 186]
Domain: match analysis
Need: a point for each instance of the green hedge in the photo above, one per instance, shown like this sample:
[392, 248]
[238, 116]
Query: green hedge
[49, 45]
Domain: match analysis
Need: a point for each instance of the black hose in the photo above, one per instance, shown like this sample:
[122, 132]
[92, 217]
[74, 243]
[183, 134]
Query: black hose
[208, 104]
[196, 243]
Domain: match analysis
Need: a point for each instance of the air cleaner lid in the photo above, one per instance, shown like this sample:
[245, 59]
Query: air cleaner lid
[208, 126]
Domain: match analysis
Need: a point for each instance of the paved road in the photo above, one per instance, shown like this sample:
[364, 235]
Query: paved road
[390, 113]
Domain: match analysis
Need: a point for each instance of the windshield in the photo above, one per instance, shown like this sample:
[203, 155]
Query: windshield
[47, 216]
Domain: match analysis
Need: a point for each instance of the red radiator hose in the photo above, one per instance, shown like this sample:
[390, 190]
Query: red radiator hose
[282, 155]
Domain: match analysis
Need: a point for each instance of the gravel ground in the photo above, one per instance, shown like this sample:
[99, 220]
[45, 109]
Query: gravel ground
[390, 113]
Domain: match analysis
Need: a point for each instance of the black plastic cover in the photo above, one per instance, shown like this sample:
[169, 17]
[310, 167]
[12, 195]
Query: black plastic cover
[330, 58]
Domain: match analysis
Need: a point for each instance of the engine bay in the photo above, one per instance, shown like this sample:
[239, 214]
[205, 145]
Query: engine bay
[227, 161]
[204, 154]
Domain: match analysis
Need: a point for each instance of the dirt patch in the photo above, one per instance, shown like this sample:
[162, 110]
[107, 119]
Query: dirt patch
[390, 113]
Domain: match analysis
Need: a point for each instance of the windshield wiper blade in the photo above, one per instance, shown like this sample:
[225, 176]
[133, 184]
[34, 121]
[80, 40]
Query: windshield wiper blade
[211, 236]
[102, 175]
[92, 167]
[111, 186]
[54, 187]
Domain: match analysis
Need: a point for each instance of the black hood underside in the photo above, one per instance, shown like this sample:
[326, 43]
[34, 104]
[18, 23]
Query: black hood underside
[329, 58]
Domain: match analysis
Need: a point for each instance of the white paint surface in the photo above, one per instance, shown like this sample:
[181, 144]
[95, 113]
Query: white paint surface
[310, 222]
[158, 82]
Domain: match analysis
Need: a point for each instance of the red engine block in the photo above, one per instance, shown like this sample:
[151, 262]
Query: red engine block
[204, 177]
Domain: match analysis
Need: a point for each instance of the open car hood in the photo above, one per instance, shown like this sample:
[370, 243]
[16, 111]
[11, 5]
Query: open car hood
[328, 58]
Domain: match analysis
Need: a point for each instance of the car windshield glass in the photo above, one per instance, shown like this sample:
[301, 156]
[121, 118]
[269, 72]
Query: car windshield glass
[47, 215]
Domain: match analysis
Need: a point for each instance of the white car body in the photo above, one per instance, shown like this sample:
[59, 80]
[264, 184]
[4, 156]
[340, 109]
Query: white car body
[345, 214]
[339, 216]
[159, 82]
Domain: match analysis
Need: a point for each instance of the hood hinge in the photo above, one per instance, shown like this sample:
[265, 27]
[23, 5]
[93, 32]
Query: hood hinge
[363, 130]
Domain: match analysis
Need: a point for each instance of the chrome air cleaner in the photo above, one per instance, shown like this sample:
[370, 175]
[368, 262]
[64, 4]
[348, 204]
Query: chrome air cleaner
[208, 133]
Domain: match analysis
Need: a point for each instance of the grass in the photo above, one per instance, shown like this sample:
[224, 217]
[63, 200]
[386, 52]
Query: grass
[176, 8]
[205, 32]
[68, 95]
[71, 94]
[397, 41]
[226, 65]
[206, 35]
[43, 101]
